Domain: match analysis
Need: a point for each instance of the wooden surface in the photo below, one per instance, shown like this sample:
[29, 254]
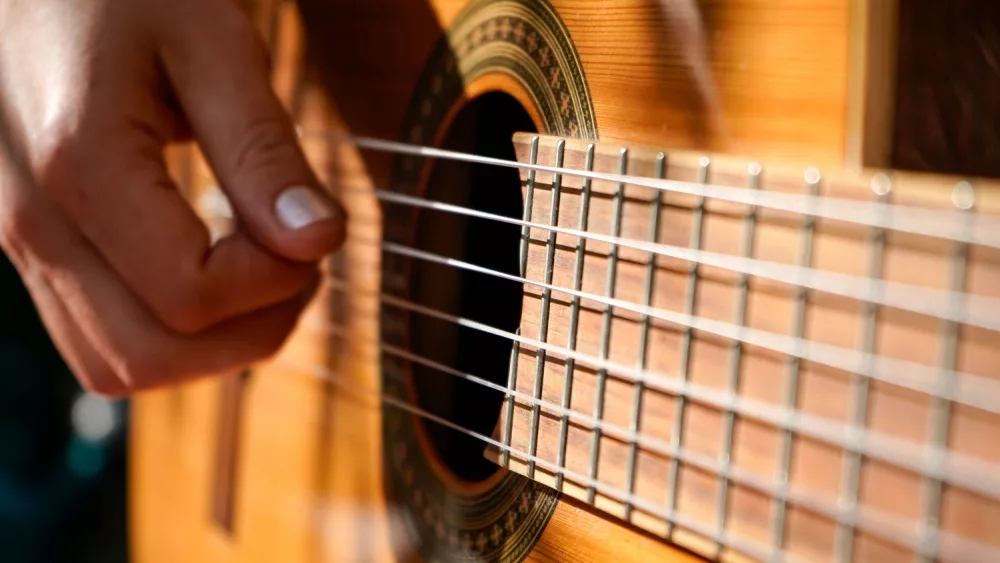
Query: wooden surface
[815, 468]
[947, 82]
[780, 69]
[311, 472]
[872, 83]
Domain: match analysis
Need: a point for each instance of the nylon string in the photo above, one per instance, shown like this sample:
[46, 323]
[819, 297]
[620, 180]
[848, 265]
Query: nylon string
[950, 225]
[969, 389]
[868, 520]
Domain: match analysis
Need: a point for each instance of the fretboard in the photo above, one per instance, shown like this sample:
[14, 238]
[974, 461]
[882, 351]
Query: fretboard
[800, 377]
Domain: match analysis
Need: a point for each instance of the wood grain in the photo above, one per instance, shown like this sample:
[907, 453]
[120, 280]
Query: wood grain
[312, 478]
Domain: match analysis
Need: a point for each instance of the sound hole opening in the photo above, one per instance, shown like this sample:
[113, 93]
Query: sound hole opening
[483, 127]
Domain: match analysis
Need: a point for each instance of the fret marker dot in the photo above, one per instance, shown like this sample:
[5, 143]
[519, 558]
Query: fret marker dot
[962, 196]
[881, 184]
[812, 175]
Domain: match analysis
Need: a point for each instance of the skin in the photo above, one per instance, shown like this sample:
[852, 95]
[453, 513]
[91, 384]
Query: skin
[124, 275]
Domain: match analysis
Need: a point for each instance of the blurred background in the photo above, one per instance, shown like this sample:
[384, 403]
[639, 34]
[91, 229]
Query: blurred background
[62, 451]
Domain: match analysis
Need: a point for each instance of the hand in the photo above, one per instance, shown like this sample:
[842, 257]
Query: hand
[122, 271]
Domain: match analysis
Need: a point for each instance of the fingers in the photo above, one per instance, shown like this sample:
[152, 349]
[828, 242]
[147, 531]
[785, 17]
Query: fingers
[125, 276]
[102, 328]
[218, 68]
[132, 212]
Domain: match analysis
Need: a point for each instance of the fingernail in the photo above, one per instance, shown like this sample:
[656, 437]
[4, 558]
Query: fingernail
[300, 206]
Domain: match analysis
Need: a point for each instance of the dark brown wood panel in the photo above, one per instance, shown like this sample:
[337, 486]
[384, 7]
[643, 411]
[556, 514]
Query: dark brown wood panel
[948, 94]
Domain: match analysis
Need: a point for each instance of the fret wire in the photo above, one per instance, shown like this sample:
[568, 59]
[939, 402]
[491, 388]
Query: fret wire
[574, 320]
[794, 365]
[543, 317]
[882, 525]
[976, 310]
[909, 219]
[529, 199]
[611, 281]
[884, 448]
[865, 380]
[941, 419]
[853, 460]
[685, 359]
[736, 357]
[508, 424]
[739, 543]
[656, 207]
[976, 391]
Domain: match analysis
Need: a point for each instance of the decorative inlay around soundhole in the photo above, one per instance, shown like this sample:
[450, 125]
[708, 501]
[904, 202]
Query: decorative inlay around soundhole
[501, 518]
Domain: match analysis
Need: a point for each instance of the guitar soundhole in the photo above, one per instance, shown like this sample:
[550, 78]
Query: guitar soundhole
[484, 126]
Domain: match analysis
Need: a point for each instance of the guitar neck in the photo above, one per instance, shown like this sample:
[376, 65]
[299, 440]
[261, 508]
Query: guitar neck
[728, 418]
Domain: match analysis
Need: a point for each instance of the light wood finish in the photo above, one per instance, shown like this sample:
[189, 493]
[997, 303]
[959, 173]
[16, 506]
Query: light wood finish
[781, 69]
[311, 468]
[595, 539]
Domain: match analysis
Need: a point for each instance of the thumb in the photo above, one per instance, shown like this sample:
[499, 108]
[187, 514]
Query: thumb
[218, 68]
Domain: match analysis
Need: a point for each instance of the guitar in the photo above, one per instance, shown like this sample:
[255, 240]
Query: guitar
[624, 280]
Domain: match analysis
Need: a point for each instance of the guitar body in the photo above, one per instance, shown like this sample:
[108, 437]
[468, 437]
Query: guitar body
[310, 457]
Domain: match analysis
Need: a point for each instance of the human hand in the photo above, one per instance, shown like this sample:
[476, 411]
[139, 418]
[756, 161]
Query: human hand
[125, 276]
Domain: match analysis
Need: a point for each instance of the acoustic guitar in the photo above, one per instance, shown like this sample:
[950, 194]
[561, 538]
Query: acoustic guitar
[625, 280]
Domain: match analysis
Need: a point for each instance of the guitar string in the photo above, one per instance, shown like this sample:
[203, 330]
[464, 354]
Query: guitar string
[722, 534]
[950, 225]
[963, 308]
[866, 520]
[745, 545]
[730, 197]
[974, 398]
[957, 469]
[871, 520]
[969, 389]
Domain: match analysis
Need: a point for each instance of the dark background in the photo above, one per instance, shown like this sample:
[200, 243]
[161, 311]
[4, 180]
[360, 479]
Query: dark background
[62, 498]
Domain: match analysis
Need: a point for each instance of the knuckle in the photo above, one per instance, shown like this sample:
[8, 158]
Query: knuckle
[265, 145]
[185, 309]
